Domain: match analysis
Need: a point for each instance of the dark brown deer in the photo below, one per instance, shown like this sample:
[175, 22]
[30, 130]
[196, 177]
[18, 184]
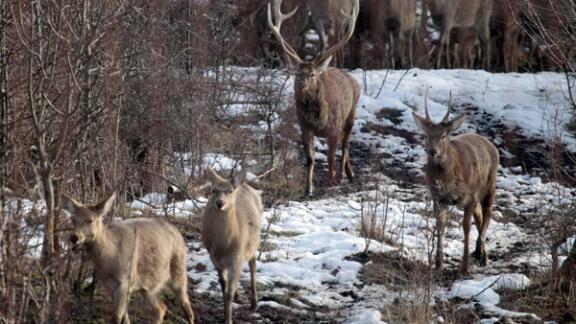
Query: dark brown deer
[460, 171]
[471, 14]
[392, 22]
[325, 97]
[506, 23]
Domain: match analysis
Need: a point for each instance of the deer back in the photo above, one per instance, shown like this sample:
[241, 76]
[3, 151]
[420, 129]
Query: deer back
[470, 171]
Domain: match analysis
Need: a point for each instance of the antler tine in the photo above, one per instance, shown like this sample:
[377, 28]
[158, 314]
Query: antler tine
[276, 28]
[350, 31]
[445, 119]
[426, 105]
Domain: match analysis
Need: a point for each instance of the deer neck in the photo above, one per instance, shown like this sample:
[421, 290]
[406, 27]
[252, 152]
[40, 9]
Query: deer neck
[311, 101]
[447, 168]
[226, 221]
[103, 247]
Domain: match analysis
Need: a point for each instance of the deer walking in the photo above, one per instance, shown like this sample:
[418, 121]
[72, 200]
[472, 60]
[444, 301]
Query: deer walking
[231, 234]
[460, 171]
[141, 254]
[325, 98]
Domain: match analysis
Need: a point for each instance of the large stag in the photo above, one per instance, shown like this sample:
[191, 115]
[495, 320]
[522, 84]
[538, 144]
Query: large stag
[325, 97]
[393, 22]
[460, 171]
[470, 15]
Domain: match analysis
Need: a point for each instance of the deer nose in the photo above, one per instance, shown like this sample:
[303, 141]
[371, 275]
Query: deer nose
[219, 204]
[432, 151]
[73, 239]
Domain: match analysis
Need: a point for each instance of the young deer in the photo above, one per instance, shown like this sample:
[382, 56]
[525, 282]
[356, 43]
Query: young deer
[141, 254]
[461, 171]
[231, 234]
[325, 98]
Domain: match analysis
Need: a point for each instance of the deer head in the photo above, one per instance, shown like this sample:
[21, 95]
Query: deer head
[224, 191]
[86, 219]
[309, 70]
[438, 142]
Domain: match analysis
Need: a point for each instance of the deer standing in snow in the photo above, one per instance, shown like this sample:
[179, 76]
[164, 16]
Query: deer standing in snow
[460, 171]
[231, 234]
[325, 98]
[140, 254]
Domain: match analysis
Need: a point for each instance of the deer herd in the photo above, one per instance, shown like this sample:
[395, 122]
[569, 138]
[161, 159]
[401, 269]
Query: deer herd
[150, 254]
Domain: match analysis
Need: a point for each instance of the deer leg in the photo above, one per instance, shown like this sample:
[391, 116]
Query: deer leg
[332, 146]
[308, 142]
[121, 298]
[180, 287]
[254, 301]
[346, 151]
[231, 287]
[222, 279]
[441, 213]
[466, 224]
[487, 217]
[478, 220]
[157, 305]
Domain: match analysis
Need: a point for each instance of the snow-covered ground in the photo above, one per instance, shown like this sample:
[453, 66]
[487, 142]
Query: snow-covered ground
[309, 246]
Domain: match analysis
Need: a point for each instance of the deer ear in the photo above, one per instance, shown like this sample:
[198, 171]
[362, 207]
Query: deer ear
[456, 123]
[70, 205]
[239, 178]
[105, 206]
[420, 121]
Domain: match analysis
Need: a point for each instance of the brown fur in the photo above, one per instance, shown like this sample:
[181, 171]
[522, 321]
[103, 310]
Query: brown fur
[325, 99]
[231, 234]
[506, 21]
[392, 22]
[469, 14]
[141, 254]
[461, 171]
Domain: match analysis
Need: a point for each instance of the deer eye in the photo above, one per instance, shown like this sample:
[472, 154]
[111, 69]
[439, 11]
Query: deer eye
[214, 190]
[90, 221]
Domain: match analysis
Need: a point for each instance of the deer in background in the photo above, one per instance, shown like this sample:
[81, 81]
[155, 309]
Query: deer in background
[460, 171]
[506, 22]
[231, 234]
[140, 254]
[394, 22]
[325, 98]
[471, 14]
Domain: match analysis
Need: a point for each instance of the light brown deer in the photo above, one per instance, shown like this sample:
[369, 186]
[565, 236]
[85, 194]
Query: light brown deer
[460, 171]
[392, 22]
[141, 254]
[231, 234]
[325, 98]
[470, 14]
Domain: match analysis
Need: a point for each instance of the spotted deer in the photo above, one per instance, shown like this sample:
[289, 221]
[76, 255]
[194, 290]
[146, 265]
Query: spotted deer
[325, 98]
[461, 171]
[140, 254]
